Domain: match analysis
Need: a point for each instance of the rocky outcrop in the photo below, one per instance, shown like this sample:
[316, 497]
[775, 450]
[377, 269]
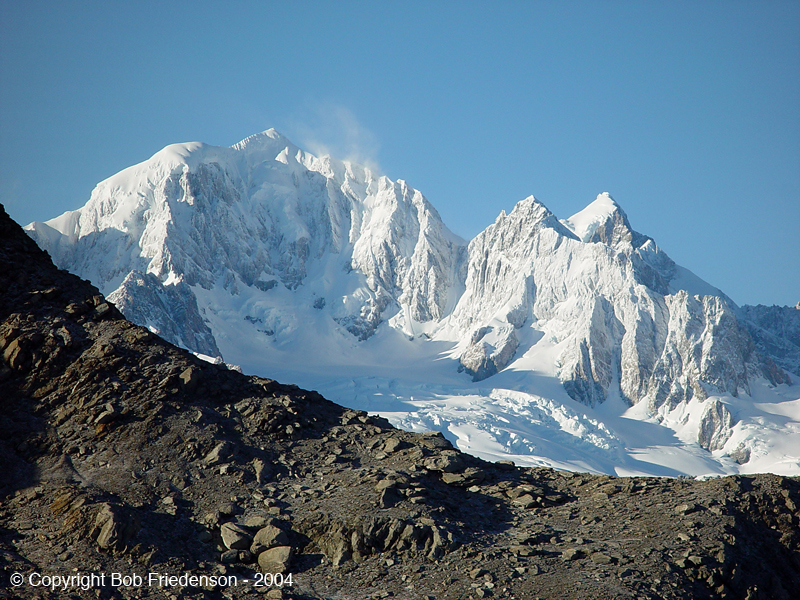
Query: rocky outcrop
[706, 352]
[489, 351]
[715, 426]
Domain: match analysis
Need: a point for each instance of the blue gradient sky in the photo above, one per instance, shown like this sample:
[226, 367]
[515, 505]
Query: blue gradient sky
[686, 112]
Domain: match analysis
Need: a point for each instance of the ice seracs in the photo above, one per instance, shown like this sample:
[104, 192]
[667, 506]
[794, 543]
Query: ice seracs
[329, 274]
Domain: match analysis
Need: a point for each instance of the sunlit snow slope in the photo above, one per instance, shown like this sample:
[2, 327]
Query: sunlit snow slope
[576, 343]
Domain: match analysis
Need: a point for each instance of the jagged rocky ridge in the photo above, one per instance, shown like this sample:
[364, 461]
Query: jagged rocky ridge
[123, 453]
[187, 233]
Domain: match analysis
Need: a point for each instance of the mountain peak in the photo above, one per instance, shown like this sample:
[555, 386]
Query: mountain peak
[585, 223]
[265, 137]
[532, 212]
[603, 220]
[270, 142]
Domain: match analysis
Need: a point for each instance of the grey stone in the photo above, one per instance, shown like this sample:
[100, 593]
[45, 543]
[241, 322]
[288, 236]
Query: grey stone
[256, 522]
[220, 453]
[109, 414]
[445, 462]
[389, 497]
[113, 527]
[571, 554]
[478, 572]
[235, 537]
[228, 509]
[453, 478]
[521, 550]
[385, 484]
[391, 445]
[211, 518]
[685, 509]
[268, 537]
[275, 560]
[600, 559]
[263, 471]
[525, 501]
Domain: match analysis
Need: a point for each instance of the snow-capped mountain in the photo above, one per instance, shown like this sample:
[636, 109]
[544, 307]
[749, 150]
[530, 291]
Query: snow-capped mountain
[325, 273]
[611, 300]
[258, 214]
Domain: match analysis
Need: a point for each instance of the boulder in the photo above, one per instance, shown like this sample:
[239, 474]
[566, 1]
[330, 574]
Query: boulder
[275, 560]
[114, 527]
[268, 537]
[447, 462]
[235, 537]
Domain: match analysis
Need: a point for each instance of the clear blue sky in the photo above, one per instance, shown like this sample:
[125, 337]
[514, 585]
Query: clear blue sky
[688, 113]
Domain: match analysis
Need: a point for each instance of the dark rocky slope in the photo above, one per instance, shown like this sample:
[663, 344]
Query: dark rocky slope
[123, 454]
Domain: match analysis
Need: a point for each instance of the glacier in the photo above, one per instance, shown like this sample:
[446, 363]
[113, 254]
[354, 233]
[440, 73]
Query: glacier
[575, 343]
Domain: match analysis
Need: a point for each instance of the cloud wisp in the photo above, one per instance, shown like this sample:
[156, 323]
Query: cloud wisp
[333, 129]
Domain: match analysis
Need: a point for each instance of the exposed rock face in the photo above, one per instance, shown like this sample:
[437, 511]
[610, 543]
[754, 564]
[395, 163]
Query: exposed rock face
[715, 426]
[168, 310]
[776, 332]
[706, 352]
[489, 351]
[124, 454]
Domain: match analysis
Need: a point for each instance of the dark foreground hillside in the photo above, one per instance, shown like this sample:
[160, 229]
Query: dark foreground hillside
[134, 470]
